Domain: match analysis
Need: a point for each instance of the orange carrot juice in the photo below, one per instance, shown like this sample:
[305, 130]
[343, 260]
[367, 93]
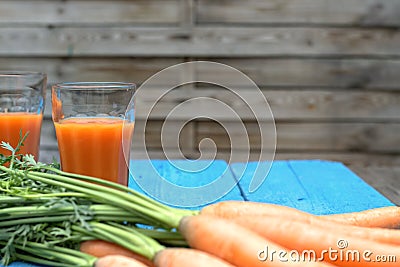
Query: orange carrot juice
[95, 147]
[11, 124]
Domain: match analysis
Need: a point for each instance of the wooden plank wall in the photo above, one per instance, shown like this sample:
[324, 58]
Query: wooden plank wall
[329, 69]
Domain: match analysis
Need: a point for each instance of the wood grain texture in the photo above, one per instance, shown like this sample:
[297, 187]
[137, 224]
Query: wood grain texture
[360, 159]
[343, 12]
[382, 178]
[197, 41]
[267, 73]
[310, 72]
[322, 136]
[306, 138]
[289, 104]
[124, 69]
[81, 12]
[351, 159]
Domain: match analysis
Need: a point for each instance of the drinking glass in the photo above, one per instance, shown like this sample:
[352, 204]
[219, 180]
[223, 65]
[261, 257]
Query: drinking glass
[94, 127]
[22, 97]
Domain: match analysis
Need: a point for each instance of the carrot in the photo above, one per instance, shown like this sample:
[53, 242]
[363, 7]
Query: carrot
[386, 217]
[165, 258]
[176, 257]
[232, 209]
[100, 248]
[383, 235]
[118, 261]
[301, 236]
[232, 242]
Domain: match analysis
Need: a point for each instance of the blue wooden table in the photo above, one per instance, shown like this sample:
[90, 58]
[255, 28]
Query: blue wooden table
[318, 187]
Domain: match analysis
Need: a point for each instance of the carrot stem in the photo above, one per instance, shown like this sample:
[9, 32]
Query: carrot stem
[40, 253]
[123, 236]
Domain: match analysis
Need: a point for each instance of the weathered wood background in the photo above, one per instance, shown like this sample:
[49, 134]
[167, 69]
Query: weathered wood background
[329, 69]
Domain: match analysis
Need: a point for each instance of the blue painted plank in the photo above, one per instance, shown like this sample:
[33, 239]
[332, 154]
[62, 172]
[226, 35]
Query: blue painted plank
[334, 188]
[314, 186]
[280, 186]
[190, 184]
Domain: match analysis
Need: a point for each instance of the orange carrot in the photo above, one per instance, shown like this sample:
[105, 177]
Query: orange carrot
[176, 257]
[383, 235]
[301, 236]
[386, 217]
[233, 209]
[100, 248]
[232, 242]
[168, 257]
[118, 261]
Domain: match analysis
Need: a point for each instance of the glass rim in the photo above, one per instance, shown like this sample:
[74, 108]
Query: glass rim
[18, 73]
[94, 86]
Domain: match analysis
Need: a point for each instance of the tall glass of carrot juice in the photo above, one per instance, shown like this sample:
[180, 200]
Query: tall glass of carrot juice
[94, 128]
[22, 97]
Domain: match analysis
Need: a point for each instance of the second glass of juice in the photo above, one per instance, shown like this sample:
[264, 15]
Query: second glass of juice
[94, 128]
[22, 97]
